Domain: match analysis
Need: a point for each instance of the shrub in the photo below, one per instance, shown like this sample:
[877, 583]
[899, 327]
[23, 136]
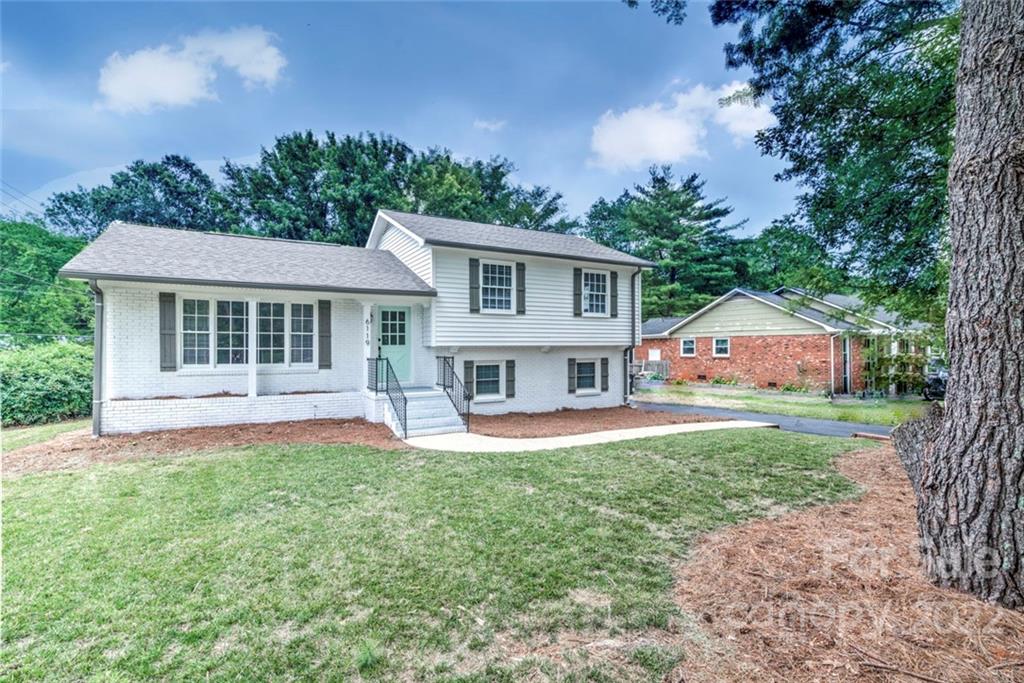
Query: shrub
[724, 380]
[45, 383]
[679, 382]
[789, 386]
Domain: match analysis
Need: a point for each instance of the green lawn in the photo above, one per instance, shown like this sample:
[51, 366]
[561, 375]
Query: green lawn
[329, 562]
[869, 411]
[18, 437]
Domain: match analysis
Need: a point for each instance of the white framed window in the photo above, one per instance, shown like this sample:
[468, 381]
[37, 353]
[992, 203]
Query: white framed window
[195, 332]
[302, 334]
[595, 292]
[487, 379]
[497, 281]
[586, 376]
[688, 347]
[270, 337]
[721, 347]
[232, 333]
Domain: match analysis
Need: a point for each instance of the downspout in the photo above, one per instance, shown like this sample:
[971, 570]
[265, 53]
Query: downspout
[832, 364]
[97, 361]
[628, 354]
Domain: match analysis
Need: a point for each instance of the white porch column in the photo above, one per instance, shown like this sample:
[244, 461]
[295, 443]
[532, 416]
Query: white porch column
[369, 337]
[251, 343]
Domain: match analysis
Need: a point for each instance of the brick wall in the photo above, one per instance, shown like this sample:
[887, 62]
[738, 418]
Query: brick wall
[759, 360]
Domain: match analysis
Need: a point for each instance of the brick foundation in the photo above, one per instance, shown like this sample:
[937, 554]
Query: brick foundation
[761, 361]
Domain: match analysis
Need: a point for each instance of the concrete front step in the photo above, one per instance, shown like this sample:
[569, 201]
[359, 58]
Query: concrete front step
[416, 422]
[437, 430]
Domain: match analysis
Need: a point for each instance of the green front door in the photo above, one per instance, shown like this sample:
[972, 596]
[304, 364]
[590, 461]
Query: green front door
[394, 339]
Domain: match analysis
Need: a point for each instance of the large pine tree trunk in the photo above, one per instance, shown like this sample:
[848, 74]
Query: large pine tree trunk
[966, 463]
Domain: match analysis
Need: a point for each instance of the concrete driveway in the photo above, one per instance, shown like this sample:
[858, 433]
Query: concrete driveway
[804, 425]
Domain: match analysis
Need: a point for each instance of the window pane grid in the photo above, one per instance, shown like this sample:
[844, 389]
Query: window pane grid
[689, 347]
[392, 328]
[496, 287]
[195, 336]
[270, 333]
[232, 333]
[586, 375]
[595, 292]
[721, 347]
[488, 380]
[302, 333]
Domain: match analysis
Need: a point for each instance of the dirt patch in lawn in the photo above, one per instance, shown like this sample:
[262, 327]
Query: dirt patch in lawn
[77, 449]
[565, 422]
[836, 593]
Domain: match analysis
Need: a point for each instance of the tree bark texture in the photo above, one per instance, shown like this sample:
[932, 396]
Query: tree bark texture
[966, 462]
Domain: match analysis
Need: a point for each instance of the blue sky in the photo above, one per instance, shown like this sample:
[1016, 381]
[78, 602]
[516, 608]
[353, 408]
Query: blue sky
[580, 96]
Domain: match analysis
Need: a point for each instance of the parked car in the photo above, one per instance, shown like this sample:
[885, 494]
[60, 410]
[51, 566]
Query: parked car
[935, 378]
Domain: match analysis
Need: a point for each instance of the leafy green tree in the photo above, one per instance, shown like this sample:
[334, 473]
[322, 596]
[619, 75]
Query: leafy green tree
[674, 225]
[36, 306]
[172, 192]
[864, 96]
[787, 254]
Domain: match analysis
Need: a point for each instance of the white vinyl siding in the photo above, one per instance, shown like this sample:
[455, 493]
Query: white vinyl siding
[408, 250]
[742, 316]
[549, 319]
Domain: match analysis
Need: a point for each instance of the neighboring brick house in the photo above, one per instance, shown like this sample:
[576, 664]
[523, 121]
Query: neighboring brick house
[770, 340]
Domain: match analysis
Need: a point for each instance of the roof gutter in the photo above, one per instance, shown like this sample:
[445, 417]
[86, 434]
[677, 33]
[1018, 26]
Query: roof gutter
[97, 361]
[92, 277]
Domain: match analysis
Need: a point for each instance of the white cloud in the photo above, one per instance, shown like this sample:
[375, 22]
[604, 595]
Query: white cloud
[163, 76]
[668, 132]
[492, 125]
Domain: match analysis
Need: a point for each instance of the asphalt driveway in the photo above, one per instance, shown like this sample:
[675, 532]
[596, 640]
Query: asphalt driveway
[804, 425]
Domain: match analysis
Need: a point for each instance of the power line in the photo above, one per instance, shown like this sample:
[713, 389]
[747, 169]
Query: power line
[48, 284]
[13, 196]
[76, 335]
[23, 194]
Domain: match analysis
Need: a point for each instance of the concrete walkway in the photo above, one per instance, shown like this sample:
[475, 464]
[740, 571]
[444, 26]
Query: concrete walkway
[462, 442]
[788, 423]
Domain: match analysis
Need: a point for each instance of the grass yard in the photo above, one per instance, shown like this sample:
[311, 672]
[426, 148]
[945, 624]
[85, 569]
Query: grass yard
[340, 561]
[869, 411]
[13, 438]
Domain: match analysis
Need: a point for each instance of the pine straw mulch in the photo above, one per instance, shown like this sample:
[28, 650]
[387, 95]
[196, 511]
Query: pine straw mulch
[78, 449]
[836, 593]
[569, 421]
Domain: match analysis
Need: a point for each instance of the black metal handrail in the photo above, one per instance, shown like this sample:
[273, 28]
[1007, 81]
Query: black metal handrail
[453, 387]
[381, 377]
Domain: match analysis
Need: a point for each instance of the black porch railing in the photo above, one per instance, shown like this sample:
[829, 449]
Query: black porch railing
[453, 387]
[381, 377]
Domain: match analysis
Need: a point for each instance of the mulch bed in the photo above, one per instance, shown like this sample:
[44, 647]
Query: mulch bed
[77, 449]
[836, 593]
[565, 422]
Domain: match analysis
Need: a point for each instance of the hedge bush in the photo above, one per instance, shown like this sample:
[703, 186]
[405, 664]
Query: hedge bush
[45, 383]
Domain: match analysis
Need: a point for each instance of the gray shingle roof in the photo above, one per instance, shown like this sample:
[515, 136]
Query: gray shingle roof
[656, 326]
[857, 306]
[456, 233]
[127, 251]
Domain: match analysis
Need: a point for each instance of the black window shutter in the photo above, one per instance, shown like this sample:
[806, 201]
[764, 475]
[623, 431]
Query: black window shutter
[613, 285]
[520, 288]
[168, 326]
[474, 285]
[510, 379]
[577, 291]
[467, 377]
[604, 374]
[572, 375]
[324, 334]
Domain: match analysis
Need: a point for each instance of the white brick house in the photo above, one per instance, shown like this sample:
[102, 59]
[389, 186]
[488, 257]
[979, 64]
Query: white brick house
[434, 319]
